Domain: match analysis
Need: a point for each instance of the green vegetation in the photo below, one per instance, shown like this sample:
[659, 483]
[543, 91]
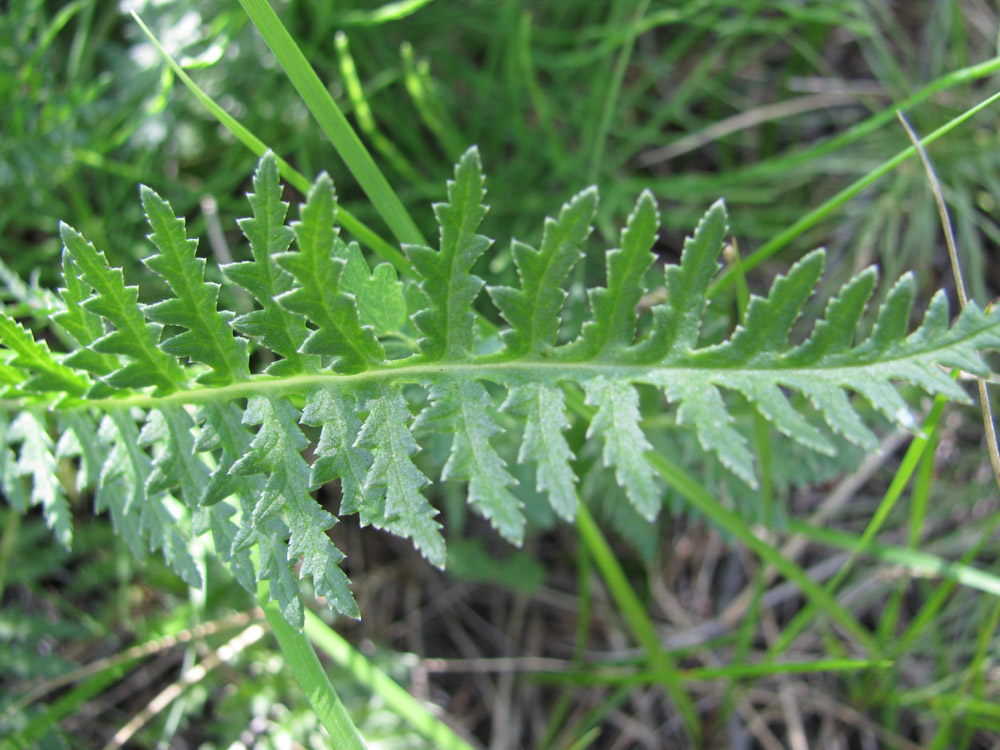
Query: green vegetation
[689, 523]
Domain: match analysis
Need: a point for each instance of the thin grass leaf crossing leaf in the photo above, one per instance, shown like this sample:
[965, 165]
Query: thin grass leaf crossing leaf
[209, 338]
[339, 333]
[448, 282]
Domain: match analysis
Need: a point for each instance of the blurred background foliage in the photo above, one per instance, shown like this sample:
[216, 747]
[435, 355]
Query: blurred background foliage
[695, 99]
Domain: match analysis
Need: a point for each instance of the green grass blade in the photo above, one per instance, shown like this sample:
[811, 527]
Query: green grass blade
[733, 671]
[902, 477]
[367, 236]
[782, 164]
[782, 239]
[302, 662]
[920, 563]
[731, 523]
[608, 106]
[396, 698]
[332, 121]
[637, 617]
[394, 11]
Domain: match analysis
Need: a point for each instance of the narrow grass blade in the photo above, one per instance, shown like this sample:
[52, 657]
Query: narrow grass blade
[731, 523]
[637, 617]
[333, 122]
[917, 562]
[302, 662]
[902, 477]
[704, 674]
[395, 697]
[819, 213]
[365, 235]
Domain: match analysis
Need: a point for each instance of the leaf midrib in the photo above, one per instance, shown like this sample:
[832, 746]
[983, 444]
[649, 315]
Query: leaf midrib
[510, 371]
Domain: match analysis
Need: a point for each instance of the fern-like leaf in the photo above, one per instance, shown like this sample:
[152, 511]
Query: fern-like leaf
[133, 337]
[276, 451]
[208, 338]
[533, 310]
[386, 432]
[35, 357]
[378, 293]
[277, 328]
[447, 279]
[543, 407]
[339, 333]
[613, 325]
[172, 461]
[36, 460]
[462, 408]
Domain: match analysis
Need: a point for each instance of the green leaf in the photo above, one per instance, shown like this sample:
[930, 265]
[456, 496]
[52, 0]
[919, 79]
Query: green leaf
[133, 337]
[769, 320]
[35, 357]
[77, 430]
[122, 488]
[386, 433]
[339, 332]
[617, 424]
[277, 328]
[307, 523]
[835, 332]
[613, 326]
[276, 451]
[284, 586]
[209, 338]
[377, 293]
[175, 464]
[447, 279]
[677, 321]
[701, 405]
[543, 408]
[533, 310]
[337, 456]
[222, 430]
[14, 490]
[117, 484]
[36, 460]
[462, 408]
[166, 477]
[83, 326]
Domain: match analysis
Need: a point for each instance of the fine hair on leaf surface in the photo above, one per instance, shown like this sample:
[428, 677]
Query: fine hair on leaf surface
[168, 417]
